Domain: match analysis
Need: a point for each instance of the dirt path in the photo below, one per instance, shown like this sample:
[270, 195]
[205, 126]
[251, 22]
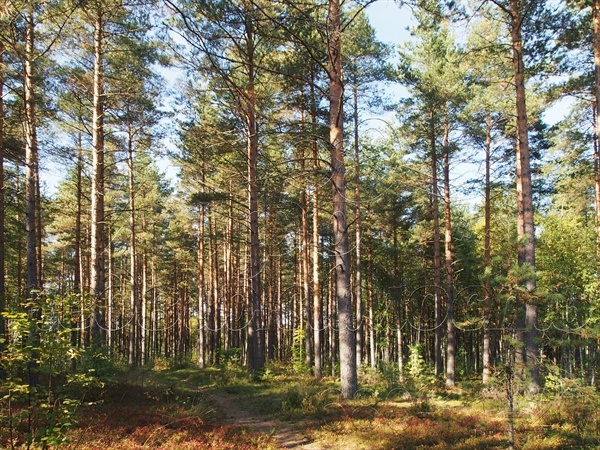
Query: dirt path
[283, 434]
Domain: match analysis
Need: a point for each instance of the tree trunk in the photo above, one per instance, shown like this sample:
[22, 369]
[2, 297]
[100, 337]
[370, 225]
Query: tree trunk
[316, 282]
[31, 181]
[358, 235]
[305, 240]
[398, 287]
[97, 281]
[256, 358]
[448, 245]
[217, 284]
[110, 291]
[437, 259]
[76, 308]
[347, 338]
[154, 341]
[273, 298]
[487, 307]
[2, 231]
[133, 285]
[525, 223]
[371, 300]
[316, 288]
[333, 332]
[596, 20]
[143, 301]
[229, 266]
[201, 284]
[211, 288]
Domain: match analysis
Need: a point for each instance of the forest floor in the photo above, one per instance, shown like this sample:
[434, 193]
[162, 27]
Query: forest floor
[283, 434]
[224, 408]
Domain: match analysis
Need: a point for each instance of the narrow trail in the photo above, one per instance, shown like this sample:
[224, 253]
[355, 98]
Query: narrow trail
[283, 434]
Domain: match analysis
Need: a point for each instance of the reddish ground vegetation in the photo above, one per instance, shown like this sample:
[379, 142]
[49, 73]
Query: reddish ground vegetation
[131, 417]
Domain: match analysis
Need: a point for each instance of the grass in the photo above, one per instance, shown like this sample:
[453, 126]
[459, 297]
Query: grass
[174, 409]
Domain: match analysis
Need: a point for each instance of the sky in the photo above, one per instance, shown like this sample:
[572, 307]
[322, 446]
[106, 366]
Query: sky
[389, 20]
[390, 23]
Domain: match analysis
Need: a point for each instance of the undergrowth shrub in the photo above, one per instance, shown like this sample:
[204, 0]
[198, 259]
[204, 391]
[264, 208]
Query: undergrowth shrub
[420, 380]
[231, 356]
[299, 352]
[40, 393]
[372, 379]
[569, 406]
[293, 400]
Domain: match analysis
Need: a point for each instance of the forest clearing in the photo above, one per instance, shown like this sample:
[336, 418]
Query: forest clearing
[254, 224]
[222, 408]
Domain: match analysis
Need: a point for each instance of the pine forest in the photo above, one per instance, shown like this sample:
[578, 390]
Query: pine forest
[211, 208]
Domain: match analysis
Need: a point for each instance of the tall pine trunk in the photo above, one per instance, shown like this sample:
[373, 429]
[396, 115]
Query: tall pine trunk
[437, 258]
[596, 20]
[398, 288]
[449, 260]
[143, 301]
[273, 298]
[97, 275]
[2, 233]
[343, 294]
[76, 308]
[487, 307]
[31, 182]
[256, 357]
[201, 345]
[525, 223]
[316, 281]
[358, 235]
[371, 297]
[305, 241]
[134, 324]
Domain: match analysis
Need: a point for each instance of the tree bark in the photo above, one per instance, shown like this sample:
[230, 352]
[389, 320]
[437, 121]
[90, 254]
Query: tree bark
[143, 274]
[97, 275]
[347, 338]
[487, 250]
[525, 222]
[596, 20]
[216, 286]
[110, 291]
[305, 240]
[371, 300]
[256, 358]
[358, 231]
[437, 258]
[31, 181]
[77, 309]
[316, 282]
[449, 260]
[398, 282]
[273, 298]
[211, 290]
[201, 345]
[2, 231]
[133, 285]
